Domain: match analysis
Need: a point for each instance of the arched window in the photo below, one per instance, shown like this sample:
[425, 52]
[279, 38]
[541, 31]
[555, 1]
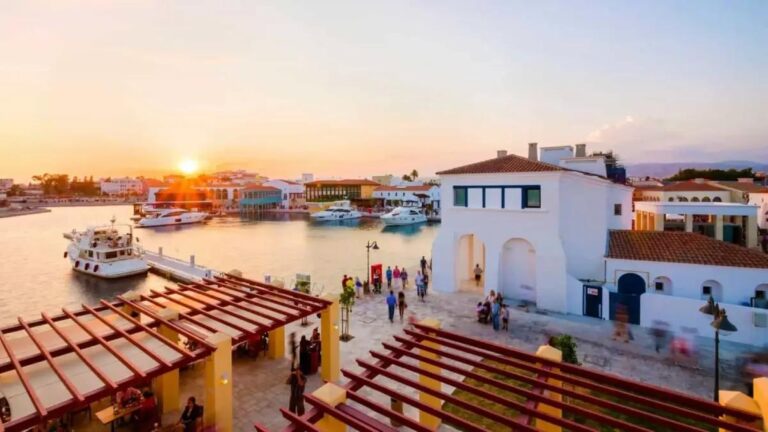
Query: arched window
[716, 199]
[662, 285]
[682, 199]
[671, 199]
[695, 199]
[712, 288]
[705, 199]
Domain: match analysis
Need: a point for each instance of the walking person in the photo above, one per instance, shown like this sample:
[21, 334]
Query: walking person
[419, 280]
[358, 286]
[423, 263]
[389, 277]
[396, 275]
[478, 274]
[404, 277]
[425, 283]
[401, 305]
[495, 310]
[377, 282]
[504, 317]
[391, 303]
[297, 381]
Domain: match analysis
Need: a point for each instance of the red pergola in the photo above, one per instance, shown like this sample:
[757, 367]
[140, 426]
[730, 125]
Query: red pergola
[501, 376]
[58, 364]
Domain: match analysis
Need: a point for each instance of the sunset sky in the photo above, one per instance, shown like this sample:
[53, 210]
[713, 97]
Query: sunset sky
[359, 88]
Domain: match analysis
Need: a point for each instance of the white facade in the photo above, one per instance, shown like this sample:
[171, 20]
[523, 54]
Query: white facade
[409, 194]
[292, 192]
[674, 292]
[122, 186]
[760, 200]
[529, 252]
[553, 155]
[593, 164]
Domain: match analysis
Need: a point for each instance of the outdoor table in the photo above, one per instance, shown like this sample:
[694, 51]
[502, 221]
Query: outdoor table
[108, 416]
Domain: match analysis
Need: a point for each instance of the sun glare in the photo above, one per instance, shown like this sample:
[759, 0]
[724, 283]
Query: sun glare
[188, 166]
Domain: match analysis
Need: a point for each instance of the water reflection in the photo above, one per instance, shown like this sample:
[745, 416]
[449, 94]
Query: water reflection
[409, 230]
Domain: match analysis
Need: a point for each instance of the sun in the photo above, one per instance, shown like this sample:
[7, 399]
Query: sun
[188, 166]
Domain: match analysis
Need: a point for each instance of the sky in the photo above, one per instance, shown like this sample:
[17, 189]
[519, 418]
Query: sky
[353, 89]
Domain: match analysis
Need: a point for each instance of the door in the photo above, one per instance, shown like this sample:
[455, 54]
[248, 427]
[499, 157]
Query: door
[593, 301]
[630, 287]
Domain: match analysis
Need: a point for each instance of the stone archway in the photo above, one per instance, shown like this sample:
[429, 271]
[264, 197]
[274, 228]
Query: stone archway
[470, 251]
[517, 270]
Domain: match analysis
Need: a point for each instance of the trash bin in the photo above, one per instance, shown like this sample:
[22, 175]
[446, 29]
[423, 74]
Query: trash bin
[397, 406]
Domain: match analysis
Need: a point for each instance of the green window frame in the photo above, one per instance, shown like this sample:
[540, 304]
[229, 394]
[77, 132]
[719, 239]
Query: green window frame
[459, 197]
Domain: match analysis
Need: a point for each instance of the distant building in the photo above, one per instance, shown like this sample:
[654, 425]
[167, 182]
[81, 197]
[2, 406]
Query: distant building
[307, 177]
[122, 186]
[173, 178]
[256, 198]
[335, 190]
[429, 195]
[5, 183]
[237, 177]
[386, 180]
[292, 192]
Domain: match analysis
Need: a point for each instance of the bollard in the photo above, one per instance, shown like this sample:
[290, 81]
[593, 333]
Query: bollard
[191, 260]
[160, 251]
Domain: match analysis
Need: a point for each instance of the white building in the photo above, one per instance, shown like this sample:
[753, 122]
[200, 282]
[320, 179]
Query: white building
[536, 229]
[292, 192]
[668, 276]
[409, 195]
[5, 183]
[122, 186]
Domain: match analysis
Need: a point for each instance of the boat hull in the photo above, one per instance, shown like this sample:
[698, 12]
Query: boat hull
[169, 221]
[403, 221]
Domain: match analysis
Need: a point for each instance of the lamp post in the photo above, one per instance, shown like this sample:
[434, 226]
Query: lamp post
[719, 323]
[368, 246]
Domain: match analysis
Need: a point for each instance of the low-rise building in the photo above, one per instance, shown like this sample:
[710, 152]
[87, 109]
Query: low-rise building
[292, 193]
[5, 183]
[392, 196]
[122, 186]
[335, 190]
[257, 198]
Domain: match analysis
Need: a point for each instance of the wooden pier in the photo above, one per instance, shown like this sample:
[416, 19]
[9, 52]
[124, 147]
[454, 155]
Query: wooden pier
[177, 269]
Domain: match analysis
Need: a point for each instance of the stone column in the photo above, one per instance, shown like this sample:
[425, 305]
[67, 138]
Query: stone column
[550, 353]
[751, 228]
[718, 227]
[688, 223]
[329, 340]
[426, 419]
[167, 385]
[659, 221]
[217, 410]
[332, 395]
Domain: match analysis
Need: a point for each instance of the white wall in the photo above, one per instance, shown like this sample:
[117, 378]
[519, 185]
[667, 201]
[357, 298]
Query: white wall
[738, 283]
[682, 312]
[760, 200]
[593, 165]
[553, 155]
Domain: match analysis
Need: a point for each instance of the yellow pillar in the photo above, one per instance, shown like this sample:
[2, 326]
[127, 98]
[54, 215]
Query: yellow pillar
[751, 231]
[760, 392]
[217, 407]
[740, 401]
[639, 220]
[659, 221]
[276, 347]
[167, 385]
[329, 340]
[550, 353]
[426, 419]
[132, 296]
[688, 223]
[719, 227]
[643, 221]
[333, 395]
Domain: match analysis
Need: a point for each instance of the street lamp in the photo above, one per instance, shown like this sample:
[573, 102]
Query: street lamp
[719, 323]
[368, 246]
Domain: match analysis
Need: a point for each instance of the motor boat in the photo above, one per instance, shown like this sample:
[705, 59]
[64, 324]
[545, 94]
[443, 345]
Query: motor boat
[404, 216]
[336, 213]
[105, 252]
[174, 216]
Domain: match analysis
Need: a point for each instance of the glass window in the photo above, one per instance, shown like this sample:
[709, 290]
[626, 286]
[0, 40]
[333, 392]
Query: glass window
[659, 286]
[110, 255]
[459, 197]
[706, 290]
[617, 209]
[533, 197]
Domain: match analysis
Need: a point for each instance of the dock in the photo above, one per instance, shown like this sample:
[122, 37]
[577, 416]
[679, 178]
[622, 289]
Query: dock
[177, 269]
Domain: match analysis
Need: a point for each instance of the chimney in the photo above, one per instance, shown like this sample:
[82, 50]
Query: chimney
[533, 151]
[581, 150]
[699, 180]
[745, 180]
[501, 153]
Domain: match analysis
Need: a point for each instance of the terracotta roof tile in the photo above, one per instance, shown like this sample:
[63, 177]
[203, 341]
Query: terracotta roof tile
[505, 164]
[744, 187]
[681, 247]
[692, 186]
[419, 188]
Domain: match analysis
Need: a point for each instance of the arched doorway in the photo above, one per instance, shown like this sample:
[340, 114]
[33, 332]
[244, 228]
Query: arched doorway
[517, 270]
[630, 287]
[470, 251]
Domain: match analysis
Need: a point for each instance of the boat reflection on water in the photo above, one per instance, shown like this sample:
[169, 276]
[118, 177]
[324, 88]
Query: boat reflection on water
[407, 230]
[93, 289]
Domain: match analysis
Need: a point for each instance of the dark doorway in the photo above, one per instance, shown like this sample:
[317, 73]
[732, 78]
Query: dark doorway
[630, 287]
[593, 301]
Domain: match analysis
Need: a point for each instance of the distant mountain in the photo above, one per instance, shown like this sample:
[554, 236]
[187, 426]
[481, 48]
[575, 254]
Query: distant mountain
[663, 170]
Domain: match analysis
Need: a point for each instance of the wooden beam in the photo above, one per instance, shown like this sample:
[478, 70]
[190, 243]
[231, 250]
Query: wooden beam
[235, 304]
[39, 407]
[388, 412]
[356, 423]
[204, 313]
[241, 295]
[177, 327]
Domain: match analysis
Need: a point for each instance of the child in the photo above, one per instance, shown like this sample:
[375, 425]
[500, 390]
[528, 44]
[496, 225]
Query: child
[504, 317]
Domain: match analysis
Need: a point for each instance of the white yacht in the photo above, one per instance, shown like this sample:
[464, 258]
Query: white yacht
[336, 213]
[173, 216]
[404, 216]
[104, 252]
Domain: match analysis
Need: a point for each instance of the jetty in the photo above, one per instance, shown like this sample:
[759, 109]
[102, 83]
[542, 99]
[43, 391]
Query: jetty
[177, 269]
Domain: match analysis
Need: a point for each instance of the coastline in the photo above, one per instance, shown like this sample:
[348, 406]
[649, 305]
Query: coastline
[12, 213]
[82, 204]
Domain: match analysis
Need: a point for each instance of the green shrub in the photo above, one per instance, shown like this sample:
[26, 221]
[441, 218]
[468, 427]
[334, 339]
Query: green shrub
[567, 346]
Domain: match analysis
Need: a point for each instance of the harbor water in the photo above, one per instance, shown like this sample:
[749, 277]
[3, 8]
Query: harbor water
[35, 277]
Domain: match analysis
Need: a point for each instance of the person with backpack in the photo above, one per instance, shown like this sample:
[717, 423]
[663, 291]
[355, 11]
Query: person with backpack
[389, 277]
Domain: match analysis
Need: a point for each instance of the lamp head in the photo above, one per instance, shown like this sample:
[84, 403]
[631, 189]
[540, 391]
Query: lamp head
[722, 323]
[375, 246]
[709, 308]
